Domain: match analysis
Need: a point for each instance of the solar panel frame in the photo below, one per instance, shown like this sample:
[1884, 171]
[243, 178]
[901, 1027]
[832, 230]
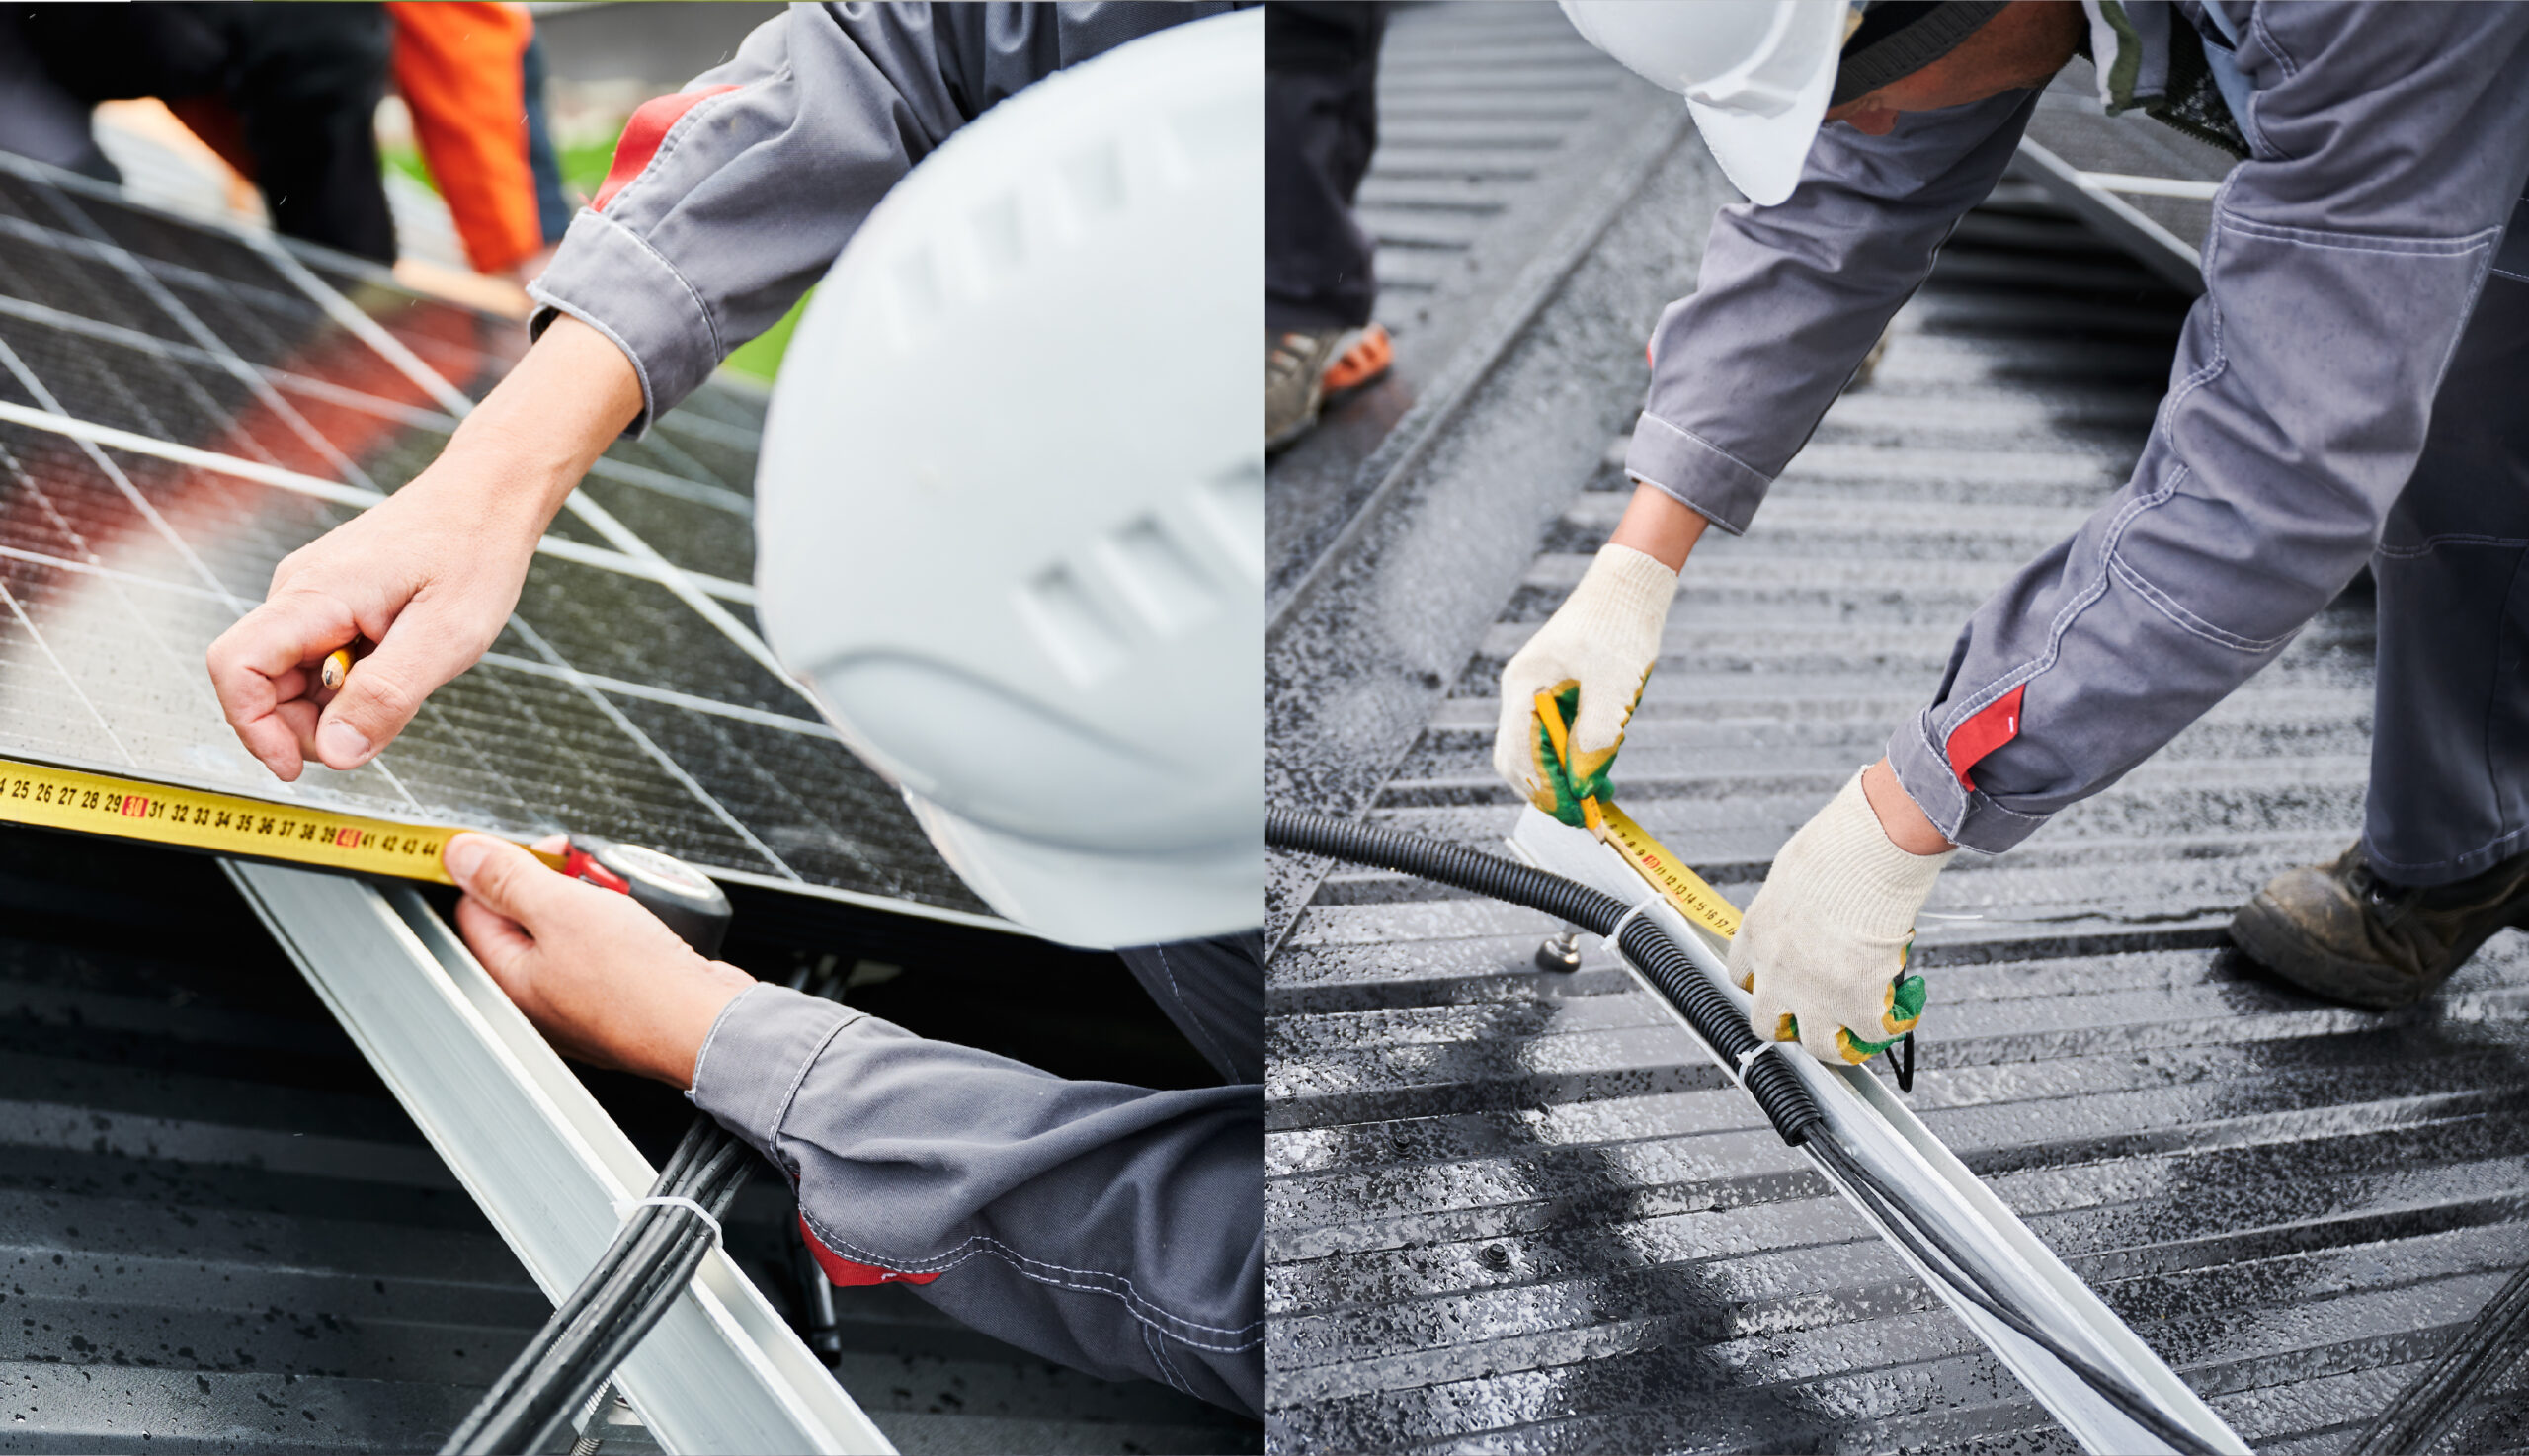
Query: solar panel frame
[204, 400]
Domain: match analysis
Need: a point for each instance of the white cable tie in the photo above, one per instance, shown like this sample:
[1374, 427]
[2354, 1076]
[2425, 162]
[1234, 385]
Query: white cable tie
[1615, 933]
[623, 1210]
[1751, 1055]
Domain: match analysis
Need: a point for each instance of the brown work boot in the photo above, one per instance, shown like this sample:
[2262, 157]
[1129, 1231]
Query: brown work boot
[2342, 932]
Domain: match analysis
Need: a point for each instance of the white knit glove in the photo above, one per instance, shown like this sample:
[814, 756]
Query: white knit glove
[1603, 639]
[1826, 938]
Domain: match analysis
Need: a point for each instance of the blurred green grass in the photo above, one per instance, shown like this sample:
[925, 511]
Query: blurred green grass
[583, 169]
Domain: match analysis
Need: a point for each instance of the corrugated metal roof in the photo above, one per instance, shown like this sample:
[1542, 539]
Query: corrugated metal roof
[218, 1231]
[1519, 1211]
[1495, 122]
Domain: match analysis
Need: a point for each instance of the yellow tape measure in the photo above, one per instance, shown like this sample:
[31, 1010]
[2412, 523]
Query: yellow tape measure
[1699, 903]
[47, 797]
[1680, 886]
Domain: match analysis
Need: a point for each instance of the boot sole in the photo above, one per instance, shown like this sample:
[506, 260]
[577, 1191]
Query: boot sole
[2274, 943]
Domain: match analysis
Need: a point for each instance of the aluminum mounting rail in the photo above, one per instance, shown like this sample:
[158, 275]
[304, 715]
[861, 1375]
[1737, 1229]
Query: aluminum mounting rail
[723, 1371]
[1886, 1136]
[2094, 198]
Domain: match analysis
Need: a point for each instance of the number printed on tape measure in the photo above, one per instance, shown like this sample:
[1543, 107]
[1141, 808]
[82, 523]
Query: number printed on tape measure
[212, 824]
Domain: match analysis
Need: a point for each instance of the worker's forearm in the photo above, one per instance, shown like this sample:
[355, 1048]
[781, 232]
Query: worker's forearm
[517, 458]
[1660, 526]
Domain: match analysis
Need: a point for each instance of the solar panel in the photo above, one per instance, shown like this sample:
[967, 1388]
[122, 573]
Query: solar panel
[182, 406]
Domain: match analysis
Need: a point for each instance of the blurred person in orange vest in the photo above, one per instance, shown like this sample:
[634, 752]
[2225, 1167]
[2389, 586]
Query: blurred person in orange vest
[460, 66]
[287, 96]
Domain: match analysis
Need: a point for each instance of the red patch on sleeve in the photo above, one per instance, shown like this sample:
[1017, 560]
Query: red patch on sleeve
[1991, 728]
[651, 121]
[845, 1272]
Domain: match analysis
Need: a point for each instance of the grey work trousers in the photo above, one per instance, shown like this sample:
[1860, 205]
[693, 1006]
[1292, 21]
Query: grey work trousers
[2449, 793]
[1321, 128]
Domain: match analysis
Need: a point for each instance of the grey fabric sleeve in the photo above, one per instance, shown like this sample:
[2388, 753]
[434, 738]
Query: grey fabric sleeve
[1791, 296]
[2344, 259]
[1114, 1229]
[752, 191]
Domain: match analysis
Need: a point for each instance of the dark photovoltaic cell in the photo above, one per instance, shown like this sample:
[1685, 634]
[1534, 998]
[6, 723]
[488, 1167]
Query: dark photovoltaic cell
[610, 705]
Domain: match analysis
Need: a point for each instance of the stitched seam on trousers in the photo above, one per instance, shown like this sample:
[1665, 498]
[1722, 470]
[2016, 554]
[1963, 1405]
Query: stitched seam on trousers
[1131, 1297]
[2282, 57]
[2250, 128]
[2428, 543]
[2175, 610]
[1159, 1357]
[2211, 368]
[2355, 242]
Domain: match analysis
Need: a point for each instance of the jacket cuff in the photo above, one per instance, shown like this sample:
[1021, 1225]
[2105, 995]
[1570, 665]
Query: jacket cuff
[1687, 467]
[758, 1053]
[1962, 814]
[606, 277]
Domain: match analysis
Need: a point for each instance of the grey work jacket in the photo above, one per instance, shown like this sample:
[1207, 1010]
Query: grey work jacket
[1115, 1229]
[2389, 143]
[756, 185]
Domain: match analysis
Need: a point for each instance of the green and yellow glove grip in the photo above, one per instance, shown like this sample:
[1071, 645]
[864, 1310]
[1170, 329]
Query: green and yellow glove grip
[1572, 785]
[1568, 695]
[1905, 998]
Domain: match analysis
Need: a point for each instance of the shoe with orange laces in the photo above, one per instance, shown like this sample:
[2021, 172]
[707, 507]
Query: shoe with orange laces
[1305, 367]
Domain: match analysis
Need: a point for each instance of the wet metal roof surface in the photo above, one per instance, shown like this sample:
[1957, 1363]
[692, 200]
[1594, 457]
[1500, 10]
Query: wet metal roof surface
[219, 1232]
[1511, 1210]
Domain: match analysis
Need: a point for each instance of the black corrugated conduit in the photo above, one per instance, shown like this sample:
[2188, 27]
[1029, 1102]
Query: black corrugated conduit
[1713, 1016]
[1716, 1019]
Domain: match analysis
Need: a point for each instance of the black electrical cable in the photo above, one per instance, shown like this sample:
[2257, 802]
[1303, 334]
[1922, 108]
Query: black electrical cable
[621, 1298]
[2438, 1398]
[1952, 1266]
[1716, 1019]
[658, 1267]
[678, 1169]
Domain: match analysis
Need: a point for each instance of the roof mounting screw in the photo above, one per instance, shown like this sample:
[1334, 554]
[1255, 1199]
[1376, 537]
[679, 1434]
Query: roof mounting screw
[1561, 952]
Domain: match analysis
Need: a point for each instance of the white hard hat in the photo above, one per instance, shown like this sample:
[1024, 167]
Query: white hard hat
[1755, 73]
[1009, 517]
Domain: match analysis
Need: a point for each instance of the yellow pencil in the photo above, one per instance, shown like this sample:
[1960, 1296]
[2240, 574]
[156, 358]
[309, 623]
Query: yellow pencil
[337, 667]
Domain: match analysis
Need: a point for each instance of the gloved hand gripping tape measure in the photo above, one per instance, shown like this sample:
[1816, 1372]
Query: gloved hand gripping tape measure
[1586, 799]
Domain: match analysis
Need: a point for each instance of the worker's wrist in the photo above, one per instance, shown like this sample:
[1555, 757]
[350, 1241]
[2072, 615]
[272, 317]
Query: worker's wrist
[1905, 823]
[523, 450]
[685, 1019]
[1658, 526]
